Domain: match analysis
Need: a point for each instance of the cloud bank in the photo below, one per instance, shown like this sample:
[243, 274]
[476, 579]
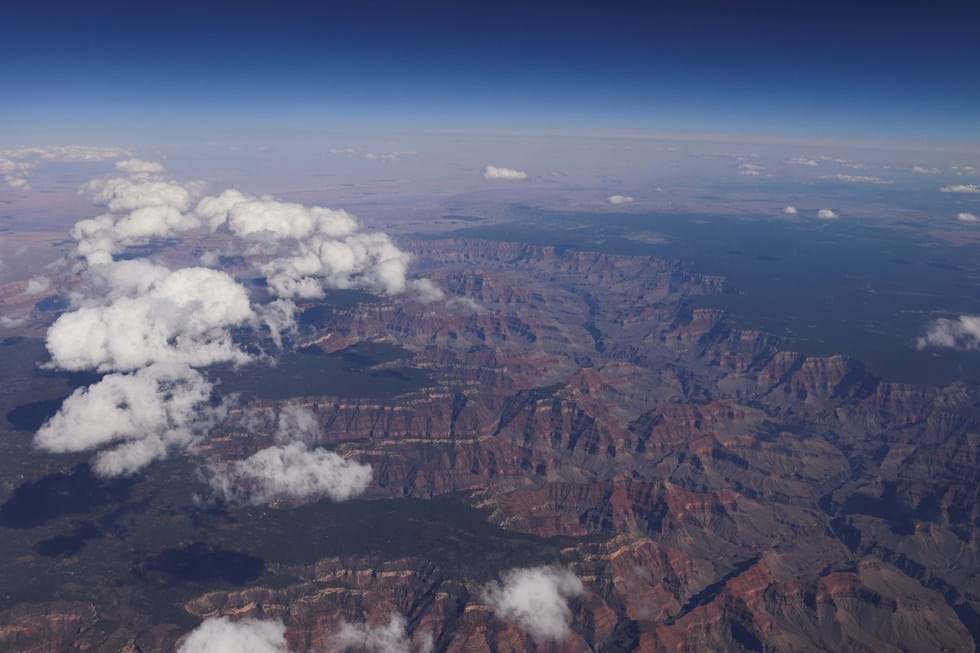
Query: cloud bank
[827, 214]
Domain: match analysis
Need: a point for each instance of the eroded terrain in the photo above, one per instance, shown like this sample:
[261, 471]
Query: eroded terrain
[712, 490]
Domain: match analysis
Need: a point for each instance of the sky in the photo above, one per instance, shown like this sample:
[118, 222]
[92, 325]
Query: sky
[796, 72]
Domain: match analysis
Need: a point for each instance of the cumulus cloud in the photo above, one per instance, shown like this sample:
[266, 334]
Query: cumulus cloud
[536, 599]
[961, 333]
[246, 216]
[180, 317]
[222, 635]
[619, 199]
[827, 214]
[389, 638]
[320, 247]
[925, 170]
[142, 416]
[139, 209]
[508, 174]
[291, 472]
[967, 217]
[126, 194]
[960, 188]
[857, 179]
[790, 210]
[750, 169]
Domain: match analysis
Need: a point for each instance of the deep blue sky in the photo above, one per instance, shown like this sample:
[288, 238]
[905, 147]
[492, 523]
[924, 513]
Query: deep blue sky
[97, 70]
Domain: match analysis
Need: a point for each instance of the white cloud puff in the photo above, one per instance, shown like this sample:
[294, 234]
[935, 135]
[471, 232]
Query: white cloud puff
[181, 317]
[146, 415]
[960, 188]
[925, 170]
[619, 199]
[507, 174]
[790, 210]
[536, 599]
[827, 214]
[291, 472]
[967, 217]
[961, 333]
[222, 635]
[389, 638]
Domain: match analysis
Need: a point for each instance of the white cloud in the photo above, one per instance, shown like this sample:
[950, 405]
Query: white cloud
[967, 217]
[37, 285]
[619, 199]
[181, 317]
[139, 167]
[365, 260]
[139, 209]
[279, 316]
[750, 169]
[7, 322]
[222, 635]
[389, 638]
[960, 188]
[509, 174]
[121, 194]
[425, 291]
[536, 599]
[827, 214]
[857, 179]
[790, 210]
[924, 170]
[17, 163]
[961, 333]
[291, 472]
[145, 415]
[247, 216]
[801, 161]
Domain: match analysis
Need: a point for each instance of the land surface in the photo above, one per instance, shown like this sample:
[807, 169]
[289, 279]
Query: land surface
[713, 488]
